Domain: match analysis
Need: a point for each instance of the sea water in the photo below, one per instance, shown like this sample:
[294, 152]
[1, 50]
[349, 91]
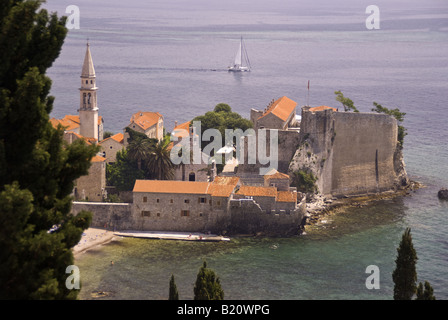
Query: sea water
[172, 57]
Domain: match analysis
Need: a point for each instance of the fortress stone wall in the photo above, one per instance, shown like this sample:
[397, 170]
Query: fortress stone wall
[350, 153]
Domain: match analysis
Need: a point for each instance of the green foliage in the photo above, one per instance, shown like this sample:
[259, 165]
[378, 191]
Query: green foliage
[222, 107]
[138, 150]
[173, 293]
[107, 134]
[123, 173]
[426, 293]
[159, 163]
[346, 102]
[397, 115]
[222, 118]
[208, 285]
[405, 274]
[37, 169]
[144, 158]
[304, 181]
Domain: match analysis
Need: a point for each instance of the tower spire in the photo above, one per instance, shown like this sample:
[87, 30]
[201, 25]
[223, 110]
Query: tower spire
[88, 70]
[88, 111]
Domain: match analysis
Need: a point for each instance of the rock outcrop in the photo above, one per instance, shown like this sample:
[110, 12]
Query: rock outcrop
[443, 194]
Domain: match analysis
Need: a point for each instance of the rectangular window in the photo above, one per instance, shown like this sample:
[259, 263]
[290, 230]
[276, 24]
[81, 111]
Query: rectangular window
[185, 213]
[146, 213]
[171, 201]
[187, 200]
[145, 199]
[157, 200]
[202, 200]
[218, 203]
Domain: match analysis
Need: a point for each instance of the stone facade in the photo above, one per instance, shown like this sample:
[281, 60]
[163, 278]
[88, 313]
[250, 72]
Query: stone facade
[279, 114]
[113, 216]
[349, 153]
[221, 206]
[148, 123]
[92, 187]
[111, 145]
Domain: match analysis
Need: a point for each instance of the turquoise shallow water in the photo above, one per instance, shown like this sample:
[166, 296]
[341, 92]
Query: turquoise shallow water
[328, 262]
[171, 57]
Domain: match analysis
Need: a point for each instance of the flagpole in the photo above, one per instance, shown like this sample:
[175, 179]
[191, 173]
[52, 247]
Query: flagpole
[308, 97]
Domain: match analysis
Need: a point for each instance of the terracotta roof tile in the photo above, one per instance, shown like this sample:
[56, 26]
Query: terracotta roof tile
[251, 191]
[170, 186]
[322, 108]
[145, 120]
[116, 137]
[286, 196]
[182, 130]
[70, 122]
[219, 190]
[275, 175]
[282, 108]
[98, 159]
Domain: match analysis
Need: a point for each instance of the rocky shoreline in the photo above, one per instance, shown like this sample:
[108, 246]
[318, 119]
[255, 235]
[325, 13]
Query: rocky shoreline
[321, 207]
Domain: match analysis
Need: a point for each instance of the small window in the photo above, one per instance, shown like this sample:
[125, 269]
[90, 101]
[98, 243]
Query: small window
[218, 203]
[202, 200]
[171, 201]
[184, 213]
[87, 81]
[187, 200]
[158, 214]
[158, 200]
[145, 199]
[146, 213]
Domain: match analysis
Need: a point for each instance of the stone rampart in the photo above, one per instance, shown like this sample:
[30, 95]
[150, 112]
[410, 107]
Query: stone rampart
[349, 153]
[113, 216]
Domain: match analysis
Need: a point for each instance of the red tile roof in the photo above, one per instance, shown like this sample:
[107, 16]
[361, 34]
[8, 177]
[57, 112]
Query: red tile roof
[286, 196]
[322, 108]
[251, 191]
[117, 137]
[145, 120]
[282, 108]
[170, 186]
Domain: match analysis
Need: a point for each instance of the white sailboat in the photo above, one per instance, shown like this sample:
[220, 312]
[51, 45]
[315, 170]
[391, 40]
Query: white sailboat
[241, 62]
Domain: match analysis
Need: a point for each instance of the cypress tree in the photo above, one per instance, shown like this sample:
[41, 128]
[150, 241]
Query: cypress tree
[173, 293]
[208, 285]
[37, 168]
[426, 293]
[405, 274]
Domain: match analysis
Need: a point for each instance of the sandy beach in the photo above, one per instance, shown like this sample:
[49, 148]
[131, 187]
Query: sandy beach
[91, 238]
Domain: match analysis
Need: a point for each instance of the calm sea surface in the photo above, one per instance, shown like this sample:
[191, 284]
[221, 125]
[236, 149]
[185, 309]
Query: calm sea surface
[171, 56]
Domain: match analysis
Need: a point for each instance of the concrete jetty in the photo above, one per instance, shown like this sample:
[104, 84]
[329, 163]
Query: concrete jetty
[167, 235]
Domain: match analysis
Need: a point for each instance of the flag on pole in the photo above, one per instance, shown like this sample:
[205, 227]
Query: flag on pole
[308, 94]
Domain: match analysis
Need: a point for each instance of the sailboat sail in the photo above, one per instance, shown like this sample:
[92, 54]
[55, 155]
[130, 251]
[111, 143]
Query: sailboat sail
[238, 56]
[241, 62]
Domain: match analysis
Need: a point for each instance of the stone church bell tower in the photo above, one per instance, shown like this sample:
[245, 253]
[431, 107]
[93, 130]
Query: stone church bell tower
[88, 108]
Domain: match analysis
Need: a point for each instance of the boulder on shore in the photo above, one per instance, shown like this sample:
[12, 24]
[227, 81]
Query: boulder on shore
[443, 194]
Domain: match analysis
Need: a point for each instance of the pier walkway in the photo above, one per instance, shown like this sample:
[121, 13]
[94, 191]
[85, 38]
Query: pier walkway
[167, 235]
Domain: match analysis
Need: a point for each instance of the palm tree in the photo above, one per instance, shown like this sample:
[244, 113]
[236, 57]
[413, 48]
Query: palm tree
[139, 150]
[159, 162]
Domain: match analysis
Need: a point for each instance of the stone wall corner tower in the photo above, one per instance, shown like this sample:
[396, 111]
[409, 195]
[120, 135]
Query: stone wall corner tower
[88, 107]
